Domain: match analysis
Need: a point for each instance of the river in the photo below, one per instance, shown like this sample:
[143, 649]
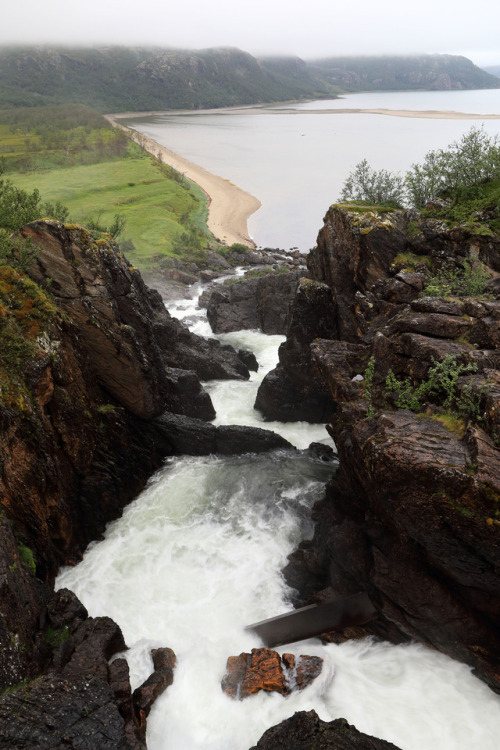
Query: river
[197, 557]
[296, 161]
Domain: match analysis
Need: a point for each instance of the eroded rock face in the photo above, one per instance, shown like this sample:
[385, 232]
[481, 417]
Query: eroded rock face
[293, 391]
[259, 303]
[76, 446]
[80, 700]
[266, 670]
[163, 676]
[412, 515]
[305, 730]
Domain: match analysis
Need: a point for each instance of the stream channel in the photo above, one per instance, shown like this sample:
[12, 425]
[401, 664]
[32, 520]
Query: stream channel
[197, 557]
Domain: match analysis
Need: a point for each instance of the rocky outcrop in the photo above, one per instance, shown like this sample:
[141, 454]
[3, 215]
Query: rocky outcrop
[411, 517]
[144, 696]
[305, 730]
[102, 358]
[72, 696]
[266, 670]
[193, 437]
[293, 391]
[253, 303]
[90, 361]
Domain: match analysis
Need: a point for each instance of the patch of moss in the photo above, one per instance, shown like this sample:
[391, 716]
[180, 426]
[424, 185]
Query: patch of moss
[454, 424]
[26, 555]
[25, 313]
[54, 637]
[363, 207]
[411, 262]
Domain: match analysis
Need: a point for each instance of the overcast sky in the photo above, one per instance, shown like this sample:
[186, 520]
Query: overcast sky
[307, 28]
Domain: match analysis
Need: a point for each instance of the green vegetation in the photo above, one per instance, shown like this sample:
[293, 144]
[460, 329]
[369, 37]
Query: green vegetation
[411, 262]
[39, 138]
[467, 173]
[374, 187]
[55, 637]
[468, 281]
[94, 174]
[441, 387]
[367, 386]
[25, 313]
[26, 555]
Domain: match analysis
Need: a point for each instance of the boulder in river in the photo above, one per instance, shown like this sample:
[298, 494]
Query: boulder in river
[305, 730]
[264, 669]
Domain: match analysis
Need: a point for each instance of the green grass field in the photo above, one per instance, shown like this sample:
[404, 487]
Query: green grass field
[156, 208]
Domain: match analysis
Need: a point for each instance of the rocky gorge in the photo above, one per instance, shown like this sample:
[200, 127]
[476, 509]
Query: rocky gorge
[411, 517]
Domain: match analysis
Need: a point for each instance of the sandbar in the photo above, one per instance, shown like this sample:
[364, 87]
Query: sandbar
[229, 207]
[419, 113]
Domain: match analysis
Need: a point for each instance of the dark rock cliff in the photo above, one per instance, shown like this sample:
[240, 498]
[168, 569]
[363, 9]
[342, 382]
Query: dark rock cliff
[254, 303]
[89, 369]
[412, 515]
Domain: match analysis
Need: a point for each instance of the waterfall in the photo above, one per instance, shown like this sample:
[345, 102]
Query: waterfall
[197, 557]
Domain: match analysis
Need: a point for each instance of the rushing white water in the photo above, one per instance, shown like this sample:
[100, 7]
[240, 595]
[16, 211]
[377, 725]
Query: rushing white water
[197, 557]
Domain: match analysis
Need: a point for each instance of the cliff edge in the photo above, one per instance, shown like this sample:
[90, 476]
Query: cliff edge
[412, 383]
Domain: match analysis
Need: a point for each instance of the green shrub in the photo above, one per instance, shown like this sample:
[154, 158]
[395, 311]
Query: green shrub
[441, 386]
[468, 281]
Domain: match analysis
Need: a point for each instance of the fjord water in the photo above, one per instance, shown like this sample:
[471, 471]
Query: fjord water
[197, 557]
[296, 162]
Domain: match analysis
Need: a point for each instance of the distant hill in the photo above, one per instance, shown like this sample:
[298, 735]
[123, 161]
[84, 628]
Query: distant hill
[428, 72]
[117, 79]
[493, 70]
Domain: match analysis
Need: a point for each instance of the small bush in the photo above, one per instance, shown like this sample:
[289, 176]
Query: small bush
[441, 387]
[468, 281]
[379, 187]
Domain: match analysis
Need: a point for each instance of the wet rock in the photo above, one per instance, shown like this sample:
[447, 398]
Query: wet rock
[174, 274]
[193, 437]
[80, 701]
[266, 670]
[163, 676]
[305, 730]
[254, 303]
[410, 517]
[293, 390]
[249, 359]
[187, 397]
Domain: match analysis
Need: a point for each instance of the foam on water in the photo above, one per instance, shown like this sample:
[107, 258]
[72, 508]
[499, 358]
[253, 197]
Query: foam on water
[197, 557]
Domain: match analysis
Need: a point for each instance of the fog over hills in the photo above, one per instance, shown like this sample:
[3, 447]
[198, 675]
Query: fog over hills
[113, 79]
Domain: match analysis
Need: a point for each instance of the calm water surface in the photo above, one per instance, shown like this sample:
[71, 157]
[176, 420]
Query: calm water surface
[296, 163]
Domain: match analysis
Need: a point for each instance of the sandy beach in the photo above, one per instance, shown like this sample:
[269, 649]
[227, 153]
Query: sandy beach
[229, 207]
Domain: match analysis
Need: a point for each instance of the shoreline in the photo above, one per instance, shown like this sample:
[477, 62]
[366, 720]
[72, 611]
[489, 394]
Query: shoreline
[266, 109]
[229, 207]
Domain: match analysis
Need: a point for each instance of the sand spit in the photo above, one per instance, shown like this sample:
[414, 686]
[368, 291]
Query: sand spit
[229, 207]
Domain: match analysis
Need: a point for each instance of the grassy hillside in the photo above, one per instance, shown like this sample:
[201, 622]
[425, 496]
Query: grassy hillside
[72, 155]
[118, 79]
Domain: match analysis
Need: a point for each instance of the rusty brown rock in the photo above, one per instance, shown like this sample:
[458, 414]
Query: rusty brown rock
[264, 669]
